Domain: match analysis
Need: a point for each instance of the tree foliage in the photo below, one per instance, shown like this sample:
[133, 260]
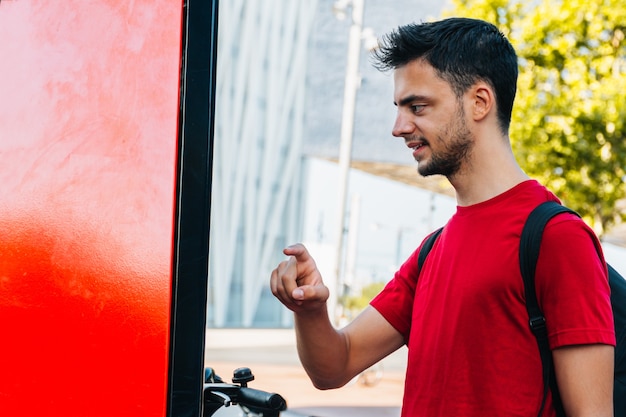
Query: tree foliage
[568, 128]
[354, 304]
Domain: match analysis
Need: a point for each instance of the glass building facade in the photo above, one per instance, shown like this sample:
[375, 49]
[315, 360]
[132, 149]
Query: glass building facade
[261, 81]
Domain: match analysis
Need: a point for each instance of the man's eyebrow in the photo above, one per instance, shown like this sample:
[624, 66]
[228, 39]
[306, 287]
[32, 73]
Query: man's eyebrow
[409, 99]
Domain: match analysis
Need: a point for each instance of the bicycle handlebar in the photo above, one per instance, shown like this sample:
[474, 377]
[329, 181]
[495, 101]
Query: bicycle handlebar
[260, 399]
[218, 394]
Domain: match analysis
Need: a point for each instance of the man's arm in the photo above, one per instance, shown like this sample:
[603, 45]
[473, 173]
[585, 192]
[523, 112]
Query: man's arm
[330, 357]
[584, 375]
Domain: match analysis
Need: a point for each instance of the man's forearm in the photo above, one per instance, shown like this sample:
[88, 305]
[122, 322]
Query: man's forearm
[323, 350]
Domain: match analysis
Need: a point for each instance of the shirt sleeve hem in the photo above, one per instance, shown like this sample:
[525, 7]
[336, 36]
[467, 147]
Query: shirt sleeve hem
[400, 327]
[583, 337]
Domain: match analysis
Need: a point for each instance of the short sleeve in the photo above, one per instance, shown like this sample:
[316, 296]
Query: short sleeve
[572, 285]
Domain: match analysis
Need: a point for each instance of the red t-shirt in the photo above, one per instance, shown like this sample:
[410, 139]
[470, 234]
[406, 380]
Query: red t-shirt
[471, 352]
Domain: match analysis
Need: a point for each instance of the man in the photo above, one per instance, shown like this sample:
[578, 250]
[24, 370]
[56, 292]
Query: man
[470, 349]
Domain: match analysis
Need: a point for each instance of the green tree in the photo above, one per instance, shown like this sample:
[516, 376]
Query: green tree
[354, 304]
[568, 128]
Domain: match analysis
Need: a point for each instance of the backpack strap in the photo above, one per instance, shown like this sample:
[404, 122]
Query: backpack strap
[426, 247]
[530, 243]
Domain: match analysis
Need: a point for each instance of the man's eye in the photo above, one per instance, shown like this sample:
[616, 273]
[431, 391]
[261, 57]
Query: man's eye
[416, 108]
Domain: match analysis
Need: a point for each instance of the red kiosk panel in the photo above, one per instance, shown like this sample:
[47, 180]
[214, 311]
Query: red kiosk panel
[88, 140]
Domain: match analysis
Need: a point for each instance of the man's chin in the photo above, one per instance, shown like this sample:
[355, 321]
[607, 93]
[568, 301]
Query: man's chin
[423, 170]
[428, 170]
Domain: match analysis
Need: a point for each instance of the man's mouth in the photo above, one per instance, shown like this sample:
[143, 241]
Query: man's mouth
[416, 147]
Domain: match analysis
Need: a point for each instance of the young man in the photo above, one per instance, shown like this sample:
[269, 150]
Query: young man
[470, 349]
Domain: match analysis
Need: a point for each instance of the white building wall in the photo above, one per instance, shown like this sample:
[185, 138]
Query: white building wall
[388, 220]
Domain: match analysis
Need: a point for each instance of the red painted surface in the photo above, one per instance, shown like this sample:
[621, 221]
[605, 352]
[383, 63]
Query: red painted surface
[88, 128]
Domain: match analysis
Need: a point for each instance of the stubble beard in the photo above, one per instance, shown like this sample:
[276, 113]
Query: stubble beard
[458, 142]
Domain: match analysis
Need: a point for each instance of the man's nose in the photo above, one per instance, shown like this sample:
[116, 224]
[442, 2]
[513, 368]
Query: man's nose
[403, 125]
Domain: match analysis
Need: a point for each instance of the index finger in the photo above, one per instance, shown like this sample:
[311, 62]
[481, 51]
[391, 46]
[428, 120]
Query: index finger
[288, 276]
[297, 251]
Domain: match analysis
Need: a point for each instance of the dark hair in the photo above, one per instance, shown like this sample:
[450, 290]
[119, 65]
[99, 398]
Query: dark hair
[462, 51]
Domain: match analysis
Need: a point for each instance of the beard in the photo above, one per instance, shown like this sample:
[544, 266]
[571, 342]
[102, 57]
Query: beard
[457, 143]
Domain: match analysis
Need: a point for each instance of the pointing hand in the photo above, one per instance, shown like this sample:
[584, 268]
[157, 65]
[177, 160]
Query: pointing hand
[297, 282]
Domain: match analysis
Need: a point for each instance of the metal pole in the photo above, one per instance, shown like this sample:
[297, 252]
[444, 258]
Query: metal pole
[352, 83]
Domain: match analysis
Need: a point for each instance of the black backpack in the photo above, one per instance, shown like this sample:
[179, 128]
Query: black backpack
[528, 254]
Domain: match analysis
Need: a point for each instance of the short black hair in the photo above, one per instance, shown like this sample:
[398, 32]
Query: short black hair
[462, 51]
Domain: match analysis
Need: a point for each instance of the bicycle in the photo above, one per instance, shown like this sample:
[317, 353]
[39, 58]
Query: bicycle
[252, 402]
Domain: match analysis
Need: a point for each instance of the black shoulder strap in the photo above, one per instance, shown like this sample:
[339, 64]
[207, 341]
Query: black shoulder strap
[426, 247]
[530, 243]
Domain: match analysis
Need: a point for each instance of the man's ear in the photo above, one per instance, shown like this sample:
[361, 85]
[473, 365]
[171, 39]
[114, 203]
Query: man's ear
[483, 101]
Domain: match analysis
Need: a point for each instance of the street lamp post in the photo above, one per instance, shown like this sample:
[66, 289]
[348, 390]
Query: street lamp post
[352, 83]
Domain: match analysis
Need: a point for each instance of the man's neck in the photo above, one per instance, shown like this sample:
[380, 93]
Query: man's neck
[487, 178]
